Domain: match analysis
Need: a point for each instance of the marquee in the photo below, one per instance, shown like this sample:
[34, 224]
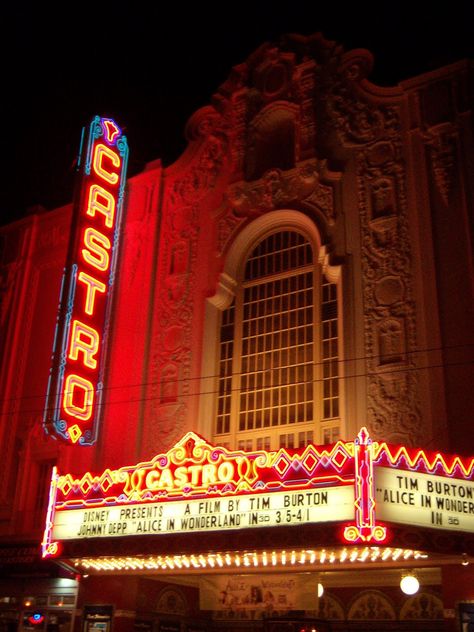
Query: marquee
[197, 487]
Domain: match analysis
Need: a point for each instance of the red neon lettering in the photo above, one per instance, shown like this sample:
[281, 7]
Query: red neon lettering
[99, 153]
[96, 247]
[78, 351]
[93, 286]
[85, 340]
[78, 397]
[102, 201]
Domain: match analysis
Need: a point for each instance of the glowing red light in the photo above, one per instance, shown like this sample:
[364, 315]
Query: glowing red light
[365, 529]
[74, 390]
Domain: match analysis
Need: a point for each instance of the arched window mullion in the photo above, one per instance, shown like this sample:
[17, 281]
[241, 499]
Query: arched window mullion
[284, 392]
[237, 366]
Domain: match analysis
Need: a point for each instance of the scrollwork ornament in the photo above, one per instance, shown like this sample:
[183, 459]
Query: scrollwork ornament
[277, 189]
[355, 120]
[393, 387]
[442, 148]
[225, 227]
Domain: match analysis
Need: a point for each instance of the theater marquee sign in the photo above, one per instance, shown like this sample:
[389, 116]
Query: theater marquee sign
[197, 487]
[424, 500]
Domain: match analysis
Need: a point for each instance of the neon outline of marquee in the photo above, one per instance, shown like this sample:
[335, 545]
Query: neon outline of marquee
[363, 451]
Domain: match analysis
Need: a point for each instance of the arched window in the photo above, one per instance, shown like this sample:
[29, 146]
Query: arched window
[278, 367]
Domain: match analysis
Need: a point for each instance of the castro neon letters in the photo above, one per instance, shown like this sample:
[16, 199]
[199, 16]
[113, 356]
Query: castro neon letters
[74, 390]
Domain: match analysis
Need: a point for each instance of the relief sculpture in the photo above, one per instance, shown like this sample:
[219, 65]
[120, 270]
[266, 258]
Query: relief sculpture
[372, 130]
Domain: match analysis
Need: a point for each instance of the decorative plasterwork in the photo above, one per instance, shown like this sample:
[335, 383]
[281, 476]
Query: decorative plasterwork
[348, 110]
[170, 366]
[300, 187]
[371, 129]
[442, 148]
[389, 312]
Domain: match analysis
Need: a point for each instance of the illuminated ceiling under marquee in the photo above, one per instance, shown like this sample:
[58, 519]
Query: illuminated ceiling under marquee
[197, 487]
[75, 385]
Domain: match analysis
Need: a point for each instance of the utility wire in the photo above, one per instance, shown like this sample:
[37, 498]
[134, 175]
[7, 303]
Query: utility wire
[240, 390]
[343, 361]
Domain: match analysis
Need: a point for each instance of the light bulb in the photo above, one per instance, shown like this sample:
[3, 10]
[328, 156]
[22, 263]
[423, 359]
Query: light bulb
[409, 584]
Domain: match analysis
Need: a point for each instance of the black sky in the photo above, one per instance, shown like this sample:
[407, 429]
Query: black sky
[151, 65]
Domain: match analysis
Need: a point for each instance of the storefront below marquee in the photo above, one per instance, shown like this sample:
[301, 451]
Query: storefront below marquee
[347, 602]
[34, 599]
[357, 595]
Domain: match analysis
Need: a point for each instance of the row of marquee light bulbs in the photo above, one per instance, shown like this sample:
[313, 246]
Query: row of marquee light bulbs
[409, 583]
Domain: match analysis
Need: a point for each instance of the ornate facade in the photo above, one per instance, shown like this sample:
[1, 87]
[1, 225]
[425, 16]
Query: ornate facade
[297, 142]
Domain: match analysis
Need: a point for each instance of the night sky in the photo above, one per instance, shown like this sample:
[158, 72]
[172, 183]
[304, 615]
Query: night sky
[151, 65]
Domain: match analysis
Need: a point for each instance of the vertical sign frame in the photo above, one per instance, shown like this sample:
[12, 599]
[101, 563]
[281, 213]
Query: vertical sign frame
[75, 384]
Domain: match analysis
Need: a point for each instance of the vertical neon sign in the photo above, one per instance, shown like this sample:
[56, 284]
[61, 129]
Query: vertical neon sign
[366, 529]
[76, 377]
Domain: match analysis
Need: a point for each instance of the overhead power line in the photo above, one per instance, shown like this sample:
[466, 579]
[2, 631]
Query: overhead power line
[385, 372]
